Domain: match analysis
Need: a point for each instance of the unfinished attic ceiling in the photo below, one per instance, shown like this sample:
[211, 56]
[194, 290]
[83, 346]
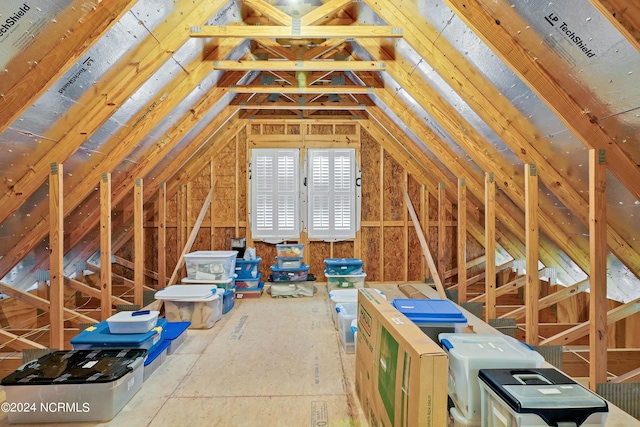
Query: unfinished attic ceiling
[140, 88]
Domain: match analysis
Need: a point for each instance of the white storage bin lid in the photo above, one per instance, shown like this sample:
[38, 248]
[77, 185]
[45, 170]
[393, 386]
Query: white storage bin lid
[142, 316]
[188, 293]
[214, 282]
[491, 347]
[211, 254]
[133, 322]
[348, 294]
[344, 295]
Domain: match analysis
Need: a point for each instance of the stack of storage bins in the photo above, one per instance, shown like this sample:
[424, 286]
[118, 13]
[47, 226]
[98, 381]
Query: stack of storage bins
[344, 273]
[248, 277]
[128, 329]
[290, 276]
[344, 306]
[468, 353]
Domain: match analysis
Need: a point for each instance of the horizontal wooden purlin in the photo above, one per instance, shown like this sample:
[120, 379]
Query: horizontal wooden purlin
[339, 90]
[342, 105]
[296, 32]
[278, 65]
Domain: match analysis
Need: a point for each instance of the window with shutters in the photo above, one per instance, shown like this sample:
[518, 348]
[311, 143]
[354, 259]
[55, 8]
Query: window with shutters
[331, 194]
[275, 194]
[327, 203]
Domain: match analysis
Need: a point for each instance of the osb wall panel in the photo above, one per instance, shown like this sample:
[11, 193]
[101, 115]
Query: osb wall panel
[394, 254]
[268, 254]
[394, 205]
[224, 200]
[344, 129]
[415, 257]
[371, 253]
[243, 164]
[314, 254]
[198, 190]
[320, 129]
[343, 249]
[370, 156]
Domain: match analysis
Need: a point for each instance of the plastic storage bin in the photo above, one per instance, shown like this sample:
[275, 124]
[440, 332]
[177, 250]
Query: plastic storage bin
[459, 421]
[250, 293]
[248, 283]
[341, 281]
[92, 385]
[155, 359]
[292, 289]
[289, 274]
[228, 299]
[133, 322]
[347, 312]
[210, 265]
[468, 353]
[537, 397]
[343, 266]
[247, 268]
[176, 334]
[337, 296]
[191, 303]
[432, 316]
[99, 337]
[290, 250]
[285, 263]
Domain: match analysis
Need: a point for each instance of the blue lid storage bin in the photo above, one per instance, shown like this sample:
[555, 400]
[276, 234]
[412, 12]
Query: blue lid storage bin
[537, 397]
[99, 337]
[289, 274]
[247, 268]
[228, 298]
[343, 266]
[176, 334]
[432, 316]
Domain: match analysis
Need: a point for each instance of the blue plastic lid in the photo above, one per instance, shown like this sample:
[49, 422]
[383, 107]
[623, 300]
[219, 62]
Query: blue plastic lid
[429, 310]
[99, 334]
[173, 330]
[343, 261]
[164, 344]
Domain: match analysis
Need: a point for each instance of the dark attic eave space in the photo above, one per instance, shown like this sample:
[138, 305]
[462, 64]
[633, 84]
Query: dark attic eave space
[459, 89]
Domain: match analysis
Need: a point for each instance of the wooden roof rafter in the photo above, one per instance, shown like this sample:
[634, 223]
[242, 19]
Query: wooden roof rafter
[529, 67]
[96, 108]
[505, 120]
[477, 148]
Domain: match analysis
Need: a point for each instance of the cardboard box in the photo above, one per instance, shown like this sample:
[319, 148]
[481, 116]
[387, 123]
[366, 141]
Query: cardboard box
[401, 374]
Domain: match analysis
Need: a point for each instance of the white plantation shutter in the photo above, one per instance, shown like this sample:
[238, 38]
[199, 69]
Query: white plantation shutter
[332, 194]
[275, 176]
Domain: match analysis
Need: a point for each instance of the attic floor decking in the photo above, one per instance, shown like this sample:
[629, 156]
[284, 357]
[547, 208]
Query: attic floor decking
[268, 362]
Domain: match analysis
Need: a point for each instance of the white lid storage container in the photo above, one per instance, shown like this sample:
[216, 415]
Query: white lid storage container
[133, 322]
[192, 303]
[210, 265]
[468, 353]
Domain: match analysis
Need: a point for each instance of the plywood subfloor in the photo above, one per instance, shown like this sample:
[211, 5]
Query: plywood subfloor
[268, 362]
